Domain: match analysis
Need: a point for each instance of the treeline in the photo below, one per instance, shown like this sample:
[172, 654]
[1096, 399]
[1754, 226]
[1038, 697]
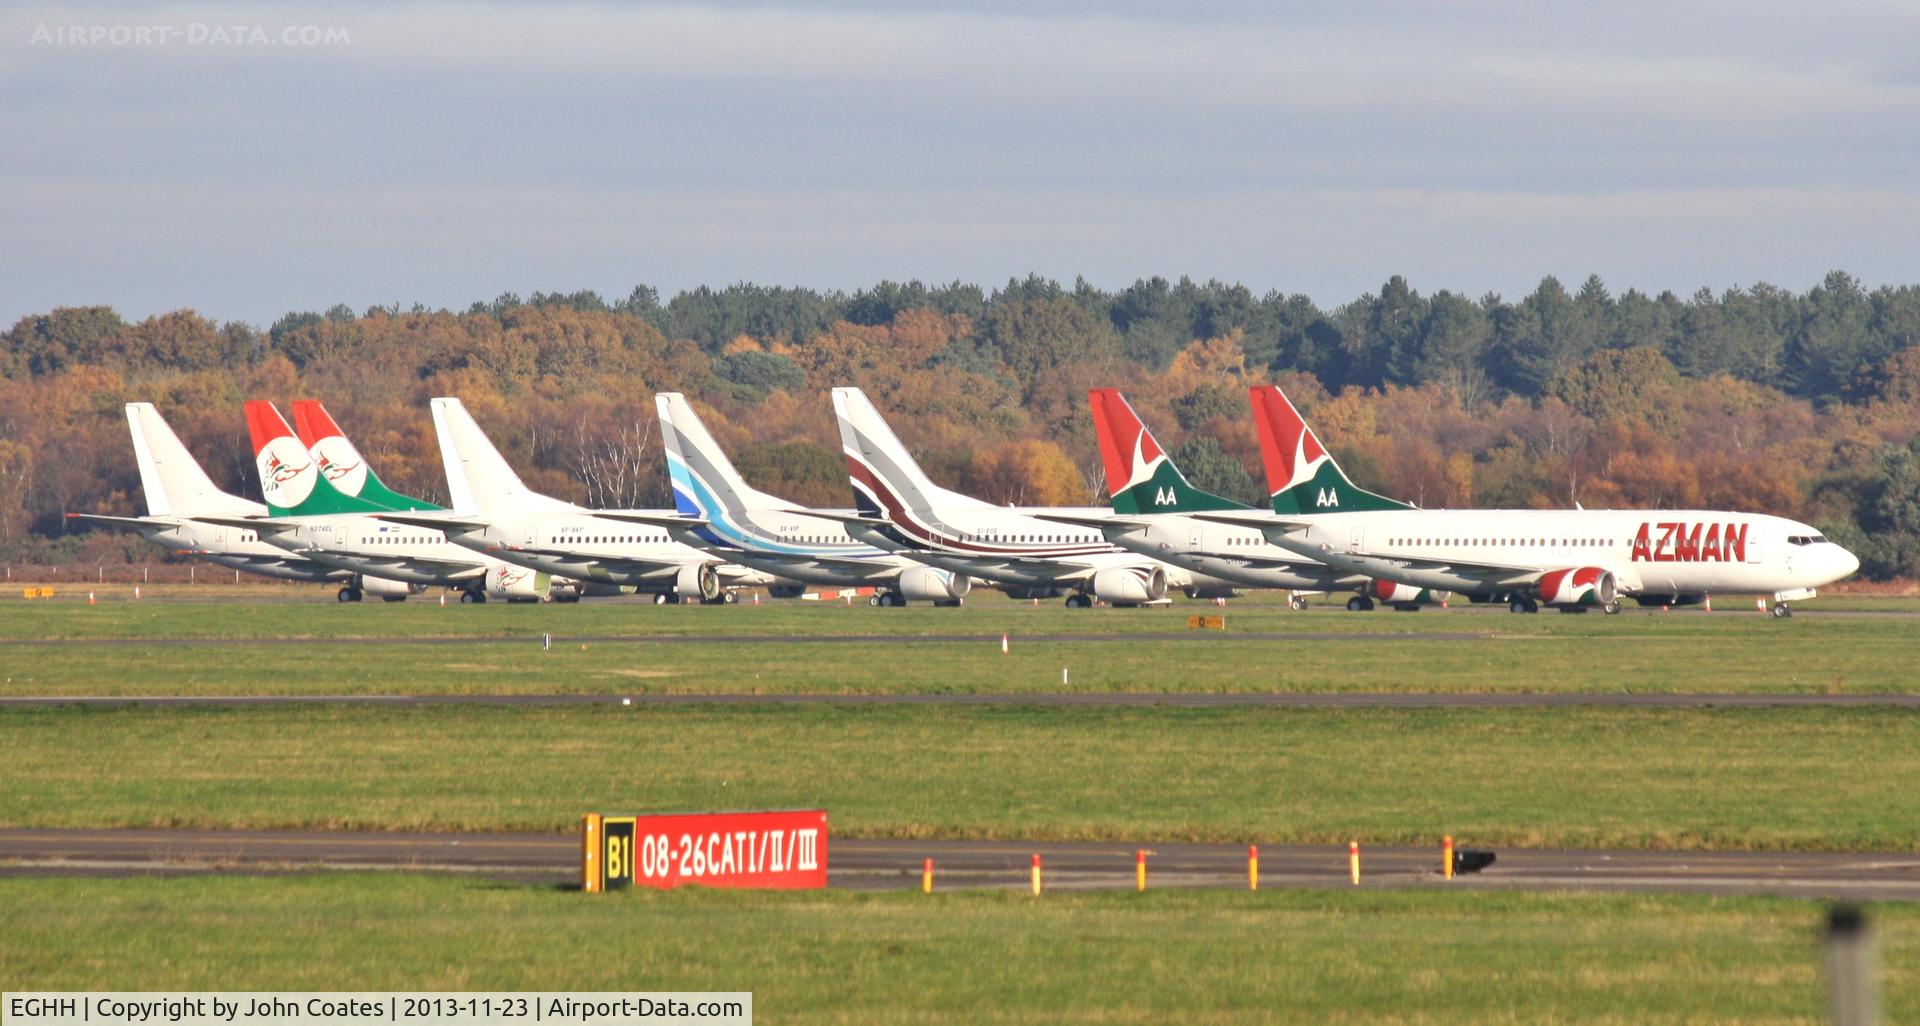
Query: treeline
[1799, 403]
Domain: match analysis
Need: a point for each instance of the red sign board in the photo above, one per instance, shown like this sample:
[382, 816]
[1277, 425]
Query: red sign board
[785, 850]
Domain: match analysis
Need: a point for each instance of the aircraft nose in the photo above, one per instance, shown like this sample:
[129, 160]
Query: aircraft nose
[1847, 562]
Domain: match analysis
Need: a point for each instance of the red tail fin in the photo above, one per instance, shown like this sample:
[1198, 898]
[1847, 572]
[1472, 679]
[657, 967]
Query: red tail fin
[1125, 443]
[1288, 448]
[310, 419]
[265, 424]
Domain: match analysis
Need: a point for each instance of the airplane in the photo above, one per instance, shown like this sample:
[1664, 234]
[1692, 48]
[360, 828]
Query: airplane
[1571, 560]
[721, 513]
[1152, 502]
[177, 490]
[496, 513]
[901, 509]
[310, 517]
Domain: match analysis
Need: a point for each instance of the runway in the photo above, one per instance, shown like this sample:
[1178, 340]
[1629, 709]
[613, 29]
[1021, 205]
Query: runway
[1101, 699]
[895, 865]
[781, 639]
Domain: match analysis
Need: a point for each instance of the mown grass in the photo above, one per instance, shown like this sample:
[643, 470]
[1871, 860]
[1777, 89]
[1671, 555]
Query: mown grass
[496, 649]
[825, 957]
[1746, 778]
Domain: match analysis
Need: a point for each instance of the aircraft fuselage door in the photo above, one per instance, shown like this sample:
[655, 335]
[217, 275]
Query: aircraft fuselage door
[1358, 538]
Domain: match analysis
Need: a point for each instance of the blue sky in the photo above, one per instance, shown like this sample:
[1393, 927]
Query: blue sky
[446, 153]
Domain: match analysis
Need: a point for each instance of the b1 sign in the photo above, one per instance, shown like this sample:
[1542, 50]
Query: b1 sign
[786, 850]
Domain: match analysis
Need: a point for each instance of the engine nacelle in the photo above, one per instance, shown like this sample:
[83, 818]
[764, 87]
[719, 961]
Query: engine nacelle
[518, 584]
[1577, 586]
[697, 581]
[786, 591]
[1130, 586]
[1209, 588]
[1393, 593]
[1683, 599]
[385, 588]
[928, 584]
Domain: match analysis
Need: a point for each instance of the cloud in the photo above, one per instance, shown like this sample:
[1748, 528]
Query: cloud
[451, 151]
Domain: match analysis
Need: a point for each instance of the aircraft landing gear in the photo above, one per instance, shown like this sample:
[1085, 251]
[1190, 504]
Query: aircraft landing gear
[1296, 602]
[1079, 601]
[1523, 605]
[1611, 608]
[472, 598]
[888, 599]
[1359, 604]
[1782, 611]
[348, 594]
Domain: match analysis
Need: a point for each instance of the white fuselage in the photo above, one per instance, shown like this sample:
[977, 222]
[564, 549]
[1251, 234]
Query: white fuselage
[1232, 553]
[1011, 545]
[1649, 552]
[233, 547]
[588, 548]
[377, 548]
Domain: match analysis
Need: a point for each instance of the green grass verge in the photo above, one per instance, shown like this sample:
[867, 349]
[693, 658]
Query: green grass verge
[1167, 956]
[311, 650]
[1749, 778]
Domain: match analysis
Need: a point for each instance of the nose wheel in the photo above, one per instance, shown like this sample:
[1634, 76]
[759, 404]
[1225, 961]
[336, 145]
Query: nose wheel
[1782, 611]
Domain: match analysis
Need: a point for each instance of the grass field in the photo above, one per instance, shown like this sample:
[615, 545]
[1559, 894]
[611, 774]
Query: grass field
[1221, 957]
[319, 648]
[1753, 778]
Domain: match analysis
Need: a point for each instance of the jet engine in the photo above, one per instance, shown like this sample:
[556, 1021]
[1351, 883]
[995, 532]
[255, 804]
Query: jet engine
[697, 580]
[1405, 596]
[927, 584]
[1692, 598]
[1577, 586]
[389, 591]
[1209, 588]
[1130, 586]
[518, 584]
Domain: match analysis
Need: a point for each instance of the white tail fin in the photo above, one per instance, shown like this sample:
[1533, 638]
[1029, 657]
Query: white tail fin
[479, 479]
[701, 472]
[883, 472]
[173, 480]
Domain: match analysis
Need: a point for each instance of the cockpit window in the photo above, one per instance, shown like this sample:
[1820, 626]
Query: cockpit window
[1806, 539]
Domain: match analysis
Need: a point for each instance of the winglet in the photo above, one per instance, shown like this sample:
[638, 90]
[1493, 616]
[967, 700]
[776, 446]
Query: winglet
[1140, 476]
[1301, 476]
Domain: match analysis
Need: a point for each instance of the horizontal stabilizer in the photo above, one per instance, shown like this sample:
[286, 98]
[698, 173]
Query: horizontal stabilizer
[844, 518]
[666, 520]
[1253, 519]
[264, 525]
[1097, 523]
[444, 522]
[102, 518]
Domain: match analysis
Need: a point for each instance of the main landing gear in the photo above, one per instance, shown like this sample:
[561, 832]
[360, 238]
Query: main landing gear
[1359, 604]
[888, 599]
[349, 593]
[1523, 605]
[1079, 601]
[468, 598]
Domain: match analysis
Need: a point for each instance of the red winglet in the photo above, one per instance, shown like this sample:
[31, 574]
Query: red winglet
[310, 419]
[265, 424]
[1122, 437]
[1284, 434]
